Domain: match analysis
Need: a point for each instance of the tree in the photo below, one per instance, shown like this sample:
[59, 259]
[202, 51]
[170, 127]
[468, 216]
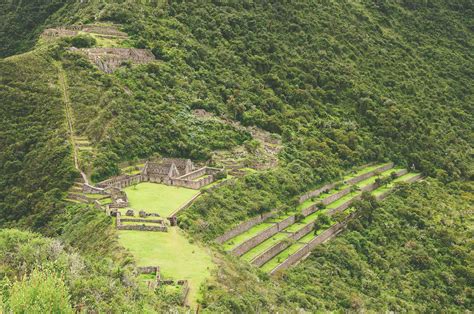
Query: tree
[321, 221]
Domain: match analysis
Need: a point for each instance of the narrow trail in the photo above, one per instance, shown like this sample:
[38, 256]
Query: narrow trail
[69, 117]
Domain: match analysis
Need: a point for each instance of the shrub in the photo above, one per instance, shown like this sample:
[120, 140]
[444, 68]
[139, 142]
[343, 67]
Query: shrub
[83, 41]
[41, 292]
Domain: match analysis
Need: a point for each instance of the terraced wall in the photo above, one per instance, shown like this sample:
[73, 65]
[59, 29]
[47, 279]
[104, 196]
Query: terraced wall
[369, 174]
[262, 236]
[246, 225]
[280, 246]
[305, 250]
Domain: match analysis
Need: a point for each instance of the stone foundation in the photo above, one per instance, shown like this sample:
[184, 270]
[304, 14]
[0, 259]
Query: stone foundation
[160, 227]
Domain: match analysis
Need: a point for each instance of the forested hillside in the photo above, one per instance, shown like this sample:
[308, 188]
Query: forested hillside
[340, 83]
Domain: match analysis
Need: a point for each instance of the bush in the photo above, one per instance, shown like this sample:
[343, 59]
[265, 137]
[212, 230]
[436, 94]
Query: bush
[41, 292]
[83, 41]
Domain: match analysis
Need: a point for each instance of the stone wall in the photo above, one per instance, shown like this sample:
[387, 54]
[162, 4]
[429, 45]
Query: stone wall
[254, 241]
[246, 225]
[185, 291]
[73, 30]
[270, 253]
[262, 236]
[305, 250]
[160, 228]
[316, 192]
[148, 269]
[153, 221]
[118, 223]
[120, 182]
[367, 175]
[119, 198]
[109, 59]
[173, 216]
[313, 208]
[386, 193]
[188, 180]
[86, 188]
[280, 246]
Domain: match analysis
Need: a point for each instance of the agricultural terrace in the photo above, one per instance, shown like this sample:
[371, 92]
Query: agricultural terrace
[267, 245]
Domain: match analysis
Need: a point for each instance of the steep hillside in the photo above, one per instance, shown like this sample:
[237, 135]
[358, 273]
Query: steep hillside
[335, 84]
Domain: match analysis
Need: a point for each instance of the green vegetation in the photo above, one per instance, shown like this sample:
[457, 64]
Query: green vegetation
[158, 198]
[83, 41]
[341, 83]
[414, 240]
[39, 293]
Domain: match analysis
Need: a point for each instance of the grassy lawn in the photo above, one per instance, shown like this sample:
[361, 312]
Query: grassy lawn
[263, 246]
[158, 198]
[177, 258]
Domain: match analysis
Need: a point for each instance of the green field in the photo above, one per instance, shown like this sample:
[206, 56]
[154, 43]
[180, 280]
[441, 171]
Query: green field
[177, 258]
[158, 198]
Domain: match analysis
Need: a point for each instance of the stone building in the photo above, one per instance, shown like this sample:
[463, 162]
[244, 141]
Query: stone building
[167, 168]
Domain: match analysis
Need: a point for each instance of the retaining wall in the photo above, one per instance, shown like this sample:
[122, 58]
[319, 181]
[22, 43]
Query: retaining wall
[119, 226]
[254, 241]
[262, 236]
[386, 193]
[86, 188]
[280, 246]
[120, 182]
[369, 174]
[154, 221]
[305, 250]
[246, 225]
[173, 216]
[161, 228]
[316, 192]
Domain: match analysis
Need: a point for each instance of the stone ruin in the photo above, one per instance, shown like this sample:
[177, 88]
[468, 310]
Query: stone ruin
[139, 224]
[109, 59]
[167, 168]
[73, 30]
[119, 198]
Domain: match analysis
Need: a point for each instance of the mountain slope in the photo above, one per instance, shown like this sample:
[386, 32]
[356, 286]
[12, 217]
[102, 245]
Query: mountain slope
[341, 84]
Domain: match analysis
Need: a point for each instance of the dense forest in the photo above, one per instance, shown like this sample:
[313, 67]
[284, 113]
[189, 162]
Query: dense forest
[341, 83]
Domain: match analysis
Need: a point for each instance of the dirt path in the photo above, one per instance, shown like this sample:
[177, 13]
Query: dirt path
[62, 79]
